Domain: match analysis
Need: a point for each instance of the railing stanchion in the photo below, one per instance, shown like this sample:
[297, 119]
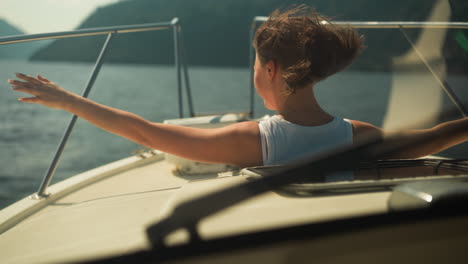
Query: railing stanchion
[177, 66]
[183, 56]
[53, 166]
[251, 71]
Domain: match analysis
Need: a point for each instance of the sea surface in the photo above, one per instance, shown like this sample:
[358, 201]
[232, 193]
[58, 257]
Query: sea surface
[30, 134]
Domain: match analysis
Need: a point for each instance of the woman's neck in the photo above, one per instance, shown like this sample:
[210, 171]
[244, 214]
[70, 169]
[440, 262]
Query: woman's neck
[302, 108]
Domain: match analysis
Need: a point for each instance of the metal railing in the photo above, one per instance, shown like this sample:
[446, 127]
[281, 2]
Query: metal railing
[181, 64]
[401, 25]
[179, 58]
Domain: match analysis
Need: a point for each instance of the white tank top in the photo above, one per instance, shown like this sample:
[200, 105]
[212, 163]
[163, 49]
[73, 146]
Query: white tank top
[284, 142]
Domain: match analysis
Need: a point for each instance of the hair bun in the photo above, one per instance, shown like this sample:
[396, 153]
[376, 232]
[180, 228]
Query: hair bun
[298, 75]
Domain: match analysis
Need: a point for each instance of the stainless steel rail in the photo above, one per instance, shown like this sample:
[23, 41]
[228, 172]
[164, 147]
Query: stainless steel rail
[87, 32]
[389, 24]
[180, 63]
[401, 25]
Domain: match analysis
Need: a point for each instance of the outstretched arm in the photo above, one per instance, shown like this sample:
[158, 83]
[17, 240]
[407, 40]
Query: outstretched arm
[442, 137]
[237, 144]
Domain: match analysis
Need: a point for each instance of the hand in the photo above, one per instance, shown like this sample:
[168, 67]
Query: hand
[45, 92]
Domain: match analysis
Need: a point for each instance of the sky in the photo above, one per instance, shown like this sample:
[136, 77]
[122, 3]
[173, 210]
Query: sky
[38, 16]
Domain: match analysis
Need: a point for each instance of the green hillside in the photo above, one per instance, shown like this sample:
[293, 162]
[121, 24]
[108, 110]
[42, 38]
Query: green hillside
[17, 51]
[6, 29]
[216, 32]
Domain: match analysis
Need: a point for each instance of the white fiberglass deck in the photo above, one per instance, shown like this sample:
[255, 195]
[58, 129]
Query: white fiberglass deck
[110, 215]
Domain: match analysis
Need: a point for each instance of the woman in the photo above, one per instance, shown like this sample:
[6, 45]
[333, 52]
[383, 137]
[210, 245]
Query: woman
[294, 50]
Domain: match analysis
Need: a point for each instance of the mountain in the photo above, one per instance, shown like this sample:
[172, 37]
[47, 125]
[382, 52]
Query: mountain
[21, 51]
[7, 29]
[217, 32]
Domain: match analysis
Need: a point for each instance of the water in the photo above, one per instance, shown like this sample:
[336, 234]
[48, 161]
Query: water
[29, 134]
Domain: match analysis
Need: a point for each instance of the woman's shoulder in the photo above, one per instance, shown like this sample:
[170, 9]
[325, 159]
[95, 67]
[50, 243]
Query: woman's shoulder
[363, 129]
[360, 126]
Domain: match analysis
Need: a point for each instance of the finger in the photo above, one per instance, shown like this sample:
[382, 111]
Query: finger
[18, 83]
[24, 89]
[33, 100]
[41, 78]
[28, 78]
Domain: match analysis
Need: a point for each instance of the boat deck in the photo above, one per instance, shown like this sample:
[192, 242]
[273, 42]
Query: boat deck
[108, 214]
